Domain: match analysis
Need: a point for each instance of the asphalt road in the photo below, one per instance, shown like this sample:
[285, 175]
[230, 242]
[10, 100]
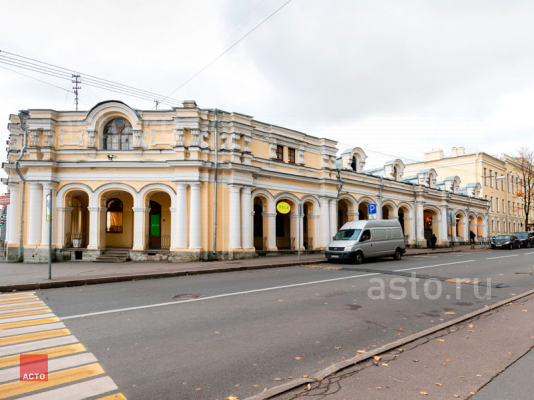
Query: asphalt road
[238, 333]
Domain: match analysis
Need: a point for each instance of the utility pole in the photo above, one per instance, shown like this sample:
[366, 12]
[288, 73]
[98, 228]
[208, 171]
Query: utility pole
[76, 87]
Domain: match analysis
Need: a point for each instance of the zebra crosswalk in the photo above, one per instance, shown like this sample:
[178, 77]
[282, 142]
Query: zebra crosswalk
[29, 327]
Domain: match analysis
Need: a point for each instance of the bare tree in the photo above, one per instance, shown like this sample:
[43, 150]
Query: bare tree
[525, 189]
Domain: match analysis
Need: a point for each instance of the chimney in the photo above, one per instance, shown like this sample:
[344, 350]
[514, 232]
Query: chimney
[454, 152]
[189, 104]
[461, 151]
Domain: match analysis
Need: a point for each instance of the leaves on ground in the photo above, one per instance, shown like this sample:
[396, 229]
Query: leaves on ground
[450, 313]
[232, 398]
[377, 358]
[424, 393]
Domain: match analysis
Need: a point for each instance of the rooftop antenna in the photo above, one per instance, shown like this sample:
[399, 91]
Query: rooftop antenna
[76, 87]
[157, 102]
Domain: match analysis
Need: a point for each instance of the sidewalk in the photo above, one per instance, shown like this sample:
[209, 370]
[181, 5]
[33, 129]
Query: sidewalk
[489, 357]
[26, 276]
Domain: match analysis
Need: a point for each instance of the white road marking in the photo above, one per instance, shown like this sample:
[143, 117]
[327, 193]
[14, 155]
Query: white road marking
[433, 266]
[15, 293]
[17, 310]
[20, 298]
[55, 364]
[37, 345]
[494, 258]
[78, 391]
[31, 329]
[245, 292]
[4, 306]
[527, 253]
[26, 318]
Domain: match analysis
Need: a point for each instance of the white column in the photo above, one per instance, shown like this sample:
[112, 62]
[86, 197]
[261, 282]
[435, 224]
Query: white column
[234, 223]
[325, 222]
[195, 228]
[13, 214]
[301, 227]
[94, 222]
[34, 214]
[420, 223]
[139, 228]
[333, 218]
[443, 228]
[179, 218]
[247, 240]
[271, 240]
[45, 225]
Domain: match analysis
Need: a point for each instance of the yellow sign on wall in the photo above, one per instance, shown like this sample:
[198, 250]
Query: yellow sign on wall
[283, 207]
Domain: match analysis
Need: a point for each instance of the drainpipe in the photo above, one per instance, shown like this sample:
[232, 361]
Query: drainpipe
[22, 114]
[215, 189]
[415, 212]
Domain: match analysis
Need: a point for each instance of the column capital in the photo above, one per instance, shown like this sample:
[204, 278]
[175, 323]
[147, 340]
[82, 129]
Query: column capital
[234, 187]
[65, 208]
[140, 209]
[195, 184]
[97, 209]
[34, 184]
[13, 185]
[268, 214]
[49, 185]
[247, 189]
[181, 184]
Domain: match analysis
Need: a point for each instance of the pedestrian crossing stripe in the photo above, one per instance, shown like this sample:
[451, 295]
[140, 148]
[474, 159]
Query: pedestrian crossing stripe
[74, 373]
[23, 313]
[34, 336]
[55, 378]
[60, 351]
[28, 323]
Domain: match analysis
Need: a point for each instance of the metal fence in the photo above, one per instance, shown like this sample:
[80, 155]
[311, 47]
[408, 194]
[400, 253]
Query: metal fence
[308, 243]
[162, 242]
[76, 239]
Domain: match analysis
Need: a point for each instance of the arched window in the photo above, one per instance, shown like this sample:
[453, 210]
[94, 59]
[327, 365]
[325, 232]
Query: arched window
[114, 216]
[118, 135]
[354, 164]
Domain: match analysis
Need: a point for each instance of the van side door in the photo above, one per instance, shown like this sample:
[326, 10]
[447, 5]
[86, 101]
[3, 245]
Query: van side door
[380, 242]
[366, 243]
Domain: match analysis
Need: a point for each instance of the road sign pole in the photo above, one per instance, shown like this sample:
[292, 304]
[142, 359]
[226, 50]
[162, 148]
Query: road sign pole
[49, 218]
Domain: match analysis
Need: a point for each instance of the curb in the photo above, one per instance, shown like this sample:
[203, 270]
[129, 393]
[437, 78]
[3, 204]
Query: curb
[270, 393]
[125, 278]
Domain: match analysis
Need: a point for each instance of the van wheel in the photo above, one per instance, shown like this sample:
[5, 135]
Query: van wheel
[398, 254]
[358, 258]
[529, 245]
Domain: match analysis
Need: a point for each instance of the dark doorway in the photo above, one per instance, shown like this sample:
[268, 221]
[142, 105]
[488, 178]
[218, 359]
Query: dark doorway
[154, 236]
[258, 226]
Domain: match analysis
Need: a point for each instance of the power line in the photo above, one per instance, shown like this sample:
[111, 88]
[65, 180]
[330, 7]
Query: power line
[226, 51]
[31, 77]
[41, 67]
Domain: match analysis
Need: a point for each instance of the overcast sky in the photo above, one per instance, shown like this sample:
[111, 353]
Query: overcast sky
[398, 78]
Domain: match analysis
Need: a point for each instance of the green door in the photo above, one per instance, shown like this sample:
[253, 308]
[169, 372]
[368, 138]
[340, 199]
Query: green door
[155, 231]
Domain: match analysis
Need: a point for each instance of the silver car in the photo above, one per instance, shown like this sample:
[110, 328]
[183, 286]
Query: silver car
[357, 240]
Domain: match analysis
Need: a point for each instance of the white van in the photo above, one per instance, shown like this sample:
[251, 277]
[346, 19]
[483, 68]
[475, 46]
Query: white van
[357, 240]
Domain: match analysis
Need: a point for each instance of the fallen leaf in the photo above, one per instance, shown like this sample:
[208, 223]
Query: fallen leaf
[278, 379]
[360, 351]
[447, 360]
[478, 375]
[415, 360]
[379, 388]
[456, 396]
[256, 386]
[309, 386]
[338, 348]
[471, 326]
[377, 358]
[470, 331]
[385, 365]
[439, 384]
[198, 389]
[297, 358]
[304, 376]
[232, 398]
[424, 393]
[450, 313]
[440, 340]
[184, 383]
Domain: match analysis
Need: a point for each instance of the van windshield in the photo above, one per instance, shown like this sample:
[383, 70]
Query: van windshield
[348, 234]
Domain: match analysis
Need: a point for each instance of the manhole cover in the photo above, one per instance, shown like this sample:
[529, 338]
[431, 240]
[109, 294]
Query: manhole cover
[186, 296]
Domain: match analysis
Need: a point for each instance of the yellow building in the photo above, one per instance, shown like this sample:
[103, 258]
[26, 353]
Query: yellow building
[190, 184]
[497, 177]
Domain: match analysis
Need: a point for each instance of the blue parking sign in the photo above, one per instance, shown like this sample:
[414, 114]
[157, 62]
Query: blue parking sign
[371, 210]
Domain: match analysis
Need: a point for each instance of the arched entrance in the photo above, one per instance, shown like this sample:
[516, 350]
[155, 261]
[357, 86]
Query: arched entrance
[480, 227]
[260, 228]
[118, 220]
[404, 220]
[77, 220]
[431, 226]
[309, 225]
[460, 227]
[342, 212]
[286, 226]
[363, 210]
[158, 222]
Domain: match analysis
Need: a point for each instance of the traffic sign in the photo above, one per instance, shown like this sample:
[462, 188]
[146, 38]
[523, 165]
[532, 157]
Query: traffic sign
[371, 210]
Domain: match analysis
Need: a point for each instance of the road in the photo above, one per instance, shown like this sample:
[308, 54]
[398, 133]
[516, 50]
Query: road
[212, 336]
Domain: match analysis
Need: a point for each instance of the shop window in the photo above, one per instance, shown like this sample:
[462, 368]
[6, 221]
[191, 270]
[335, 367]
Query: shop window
[291, 155]
[280, 153]
[118, 135]
[114, 216]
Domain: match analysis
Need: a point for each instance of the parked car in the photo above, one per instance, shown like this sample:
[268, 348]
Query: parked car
[505, 242]
[525, 238]
[357, 240]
